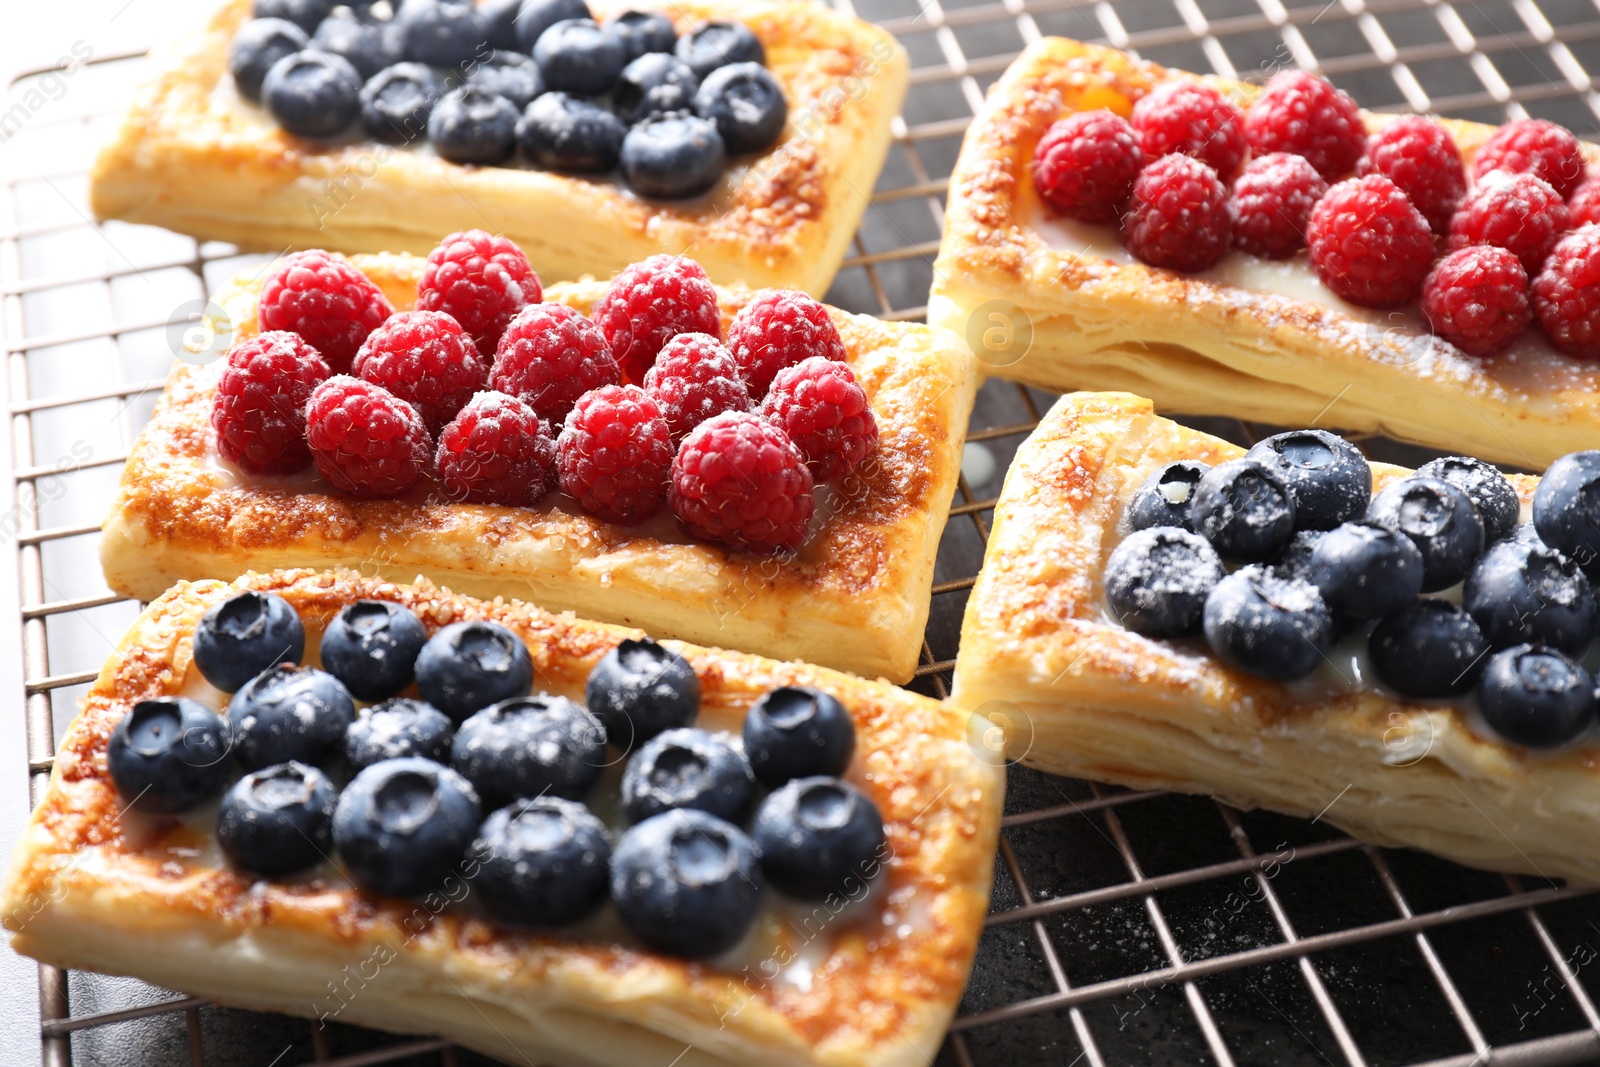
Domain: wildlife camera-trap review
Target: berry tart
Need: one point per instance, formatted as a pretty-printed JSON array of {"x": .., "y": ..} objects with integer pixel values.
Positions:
[
  {"x": 1273, "y": 253},
  {"x": 744, "y": 469},
  {"x": 1407, "y": 653},
  {"x": 744, "y": 134},
  {"x": 550, "y": 840}
]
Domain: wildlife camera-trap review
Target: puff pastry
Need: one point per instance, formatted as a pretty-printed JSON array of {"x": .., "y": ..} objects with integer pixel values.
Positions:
[
  {"x": 876, "y": 984},
  {"x": 1250, "y": 338},
  {"x": 1090, "y": 699},
  {"x": 193, "y": 157},
  {"x": 854, "y": 598}
]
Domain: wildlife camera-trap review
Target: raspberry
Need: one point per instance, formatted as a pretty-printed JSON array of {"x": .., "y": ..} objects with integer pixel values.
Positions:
[
  {"x": 741, "y": 482},
  {"x": 694, "y": 378},
  {"x": 1370, "y": 244},
  {"x": 551, "y": 355},
  {"x": 825, "y": 413},
  {"x": 259, "y": 411},
  {"x": 778, "y": 329},
  {"x": 1477, "y": 299},
  {"x": 326, "y": 301},
  {"x": 1513, "y": 211},
  {"x": 1305, "y": 115},
  {"x": 426, "y": 359},
  {"x": 1272, "y": 202},
  {"x": 481, "y": 281},
  {"x": 1084, "y": 165},
  {"x": 496, "y": 451},
  {"x": 1584, "y": 207},
  {"x": 1419, "y": 155},
  {"x": 365, "y": 440},
  {"x": 615, "y": 453},
  {"x": 1178, "y": 215},
  {"x": 1192, "y": 118},
  {"x": 1533, "y": 146},
  {"x": 1566, "y": 294},
  {"x": 649, "y": 303}
]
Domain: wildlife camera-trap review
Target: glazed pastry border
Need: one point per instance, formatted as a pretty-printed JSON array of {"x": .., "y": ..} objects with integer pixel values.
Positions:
[
  {"x": 855, "y": 597},
  {"x": 185, "y": 159},
  {"x": 1090, "y": 699},
  {"x": 1204, "y": 347},
  {"x": 79, "y": 895}
]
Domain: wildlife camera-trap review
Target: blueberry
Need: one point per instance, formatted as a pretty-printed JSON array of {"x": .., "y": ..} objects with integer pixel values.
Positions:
[
  {"x": 1429, "y": 648},
  {"x": 545, "y": 862},
  {"x": 673, "y": 156},
  {"x": 1327, "y": 476},
  {"x": 244, "y": 635},
  {"x": 500, "y": 23},
  {"x": 577, "y": 56},
  {"x": 1364, "y": 570},
  {"x": 654, "y": 84},
  {"x": 797, "y": 732},
  {"x": 687, "y": 769},
  {"x": 528, "y": 747},
  {"x": 686, "y": 883},
  {"x": 1163, "y": 498},
  {"x": 396, "y": 102},
  {"x": 397, "y": 728},
  {"x": 717, "y": 44},
  {"x": 402, "y": 826},
  {"x": 443, "y": 33},
  {"x": 1439, "y": 519},
  {"x": 819, "y": 837},
  {"x": 470, "y": 665},
  {"x": 1566, "y": 508},
  {"x": 511, "y": 75},
  {"x": 1157, "y": 581},
  {"x": 1490, "y": 491},
  {"x": 169, "y": 754},
  {"x": 289, "y": 713},
  {"x": 1533, "y": 695},
  {"x": 643, "y": 32},
  {"x": 471, "y": 125},
  {"x": 313, "y": 94},
  {"x": 564, "y": 133},
  {"x": 371, "y": 646},
  {"x": 256, "y": 47},
  {"x": 1295, "y": 559},
  {"x": 747, "y": 105},
  {"x": 278, "y": 821},
  {"x": 536, "y": 16},
  {"x": 1244, "y": 509},
  {"x": 306, "y": 14},
  {"x": 639, "y": 689},
  {"x": 368, "y": 45},
  {"x": 1523, "y": 590},
  {"x": 1273, "y": 627}
]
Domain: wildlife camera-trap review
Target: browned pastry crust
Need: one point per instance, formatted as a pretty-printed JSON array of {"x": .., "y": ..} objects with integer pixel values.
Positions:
[
  {"x": 855, "y": 597},
  {"x": 1088, "y": 698},
  {"x": 191, "y": 156},
  {"x": 88, "y": 888},
  {"x": 1201, "y": 344}
]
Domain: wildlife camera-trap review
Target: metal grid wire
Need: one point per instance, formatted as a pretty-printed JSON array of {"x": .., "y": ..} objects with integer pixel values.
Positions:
[{"x": 1126, "y": 927}]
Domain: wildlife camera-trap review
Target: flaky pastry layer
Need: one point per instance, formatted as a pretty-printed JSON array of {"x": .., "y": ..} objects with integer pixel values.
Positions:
[
  {"x": 1087, "y": 698},
  {"x": 855, "y": 597},
  {"x": 1203, "y": 345},
  {"x": 193, "y": 157},
  {"x": 89, "y": 888}
]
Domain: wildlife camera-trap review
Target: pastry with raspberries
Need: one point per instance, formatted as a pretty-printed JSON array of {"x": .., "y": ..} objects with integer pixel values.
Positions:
[{"x": 1275, "y": 253}]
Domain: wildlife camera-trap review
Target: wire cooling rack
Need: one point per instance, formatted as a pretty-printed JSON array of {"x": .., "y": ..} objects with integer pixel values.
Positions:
[{"x": 1127, "y": 927}]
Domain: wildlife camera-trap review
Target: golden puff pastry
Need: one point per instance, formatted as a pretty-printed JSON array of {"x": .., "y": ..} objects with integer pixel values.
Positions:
[
  {"x": 1086, "y": 697},
  {"x": 855, "y": 597},
  {"x": 193, "y": 156},
  {"x": 873, "y": 981},
  {"x": 1060, "y": 304}
]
